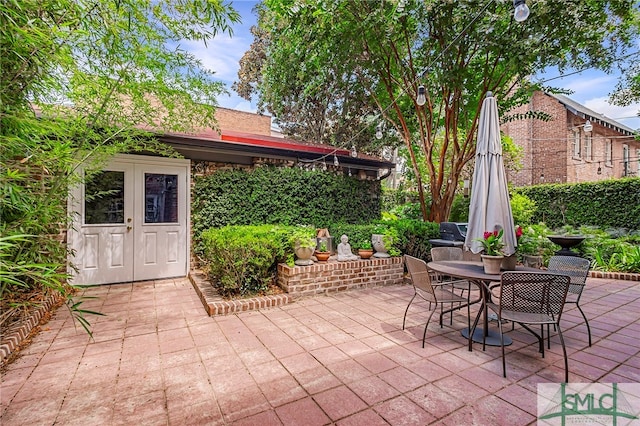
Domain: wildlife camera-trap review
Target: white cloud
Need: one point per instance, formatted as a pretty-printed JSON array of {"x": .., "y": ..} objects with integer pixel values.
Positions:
[
  {"x": 221, "y": 55},
  {"x": 626, "y": 115}
]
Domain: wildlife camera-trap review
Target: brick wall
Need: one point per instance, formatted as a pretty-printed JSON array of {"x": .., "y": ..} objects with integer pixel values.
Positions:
[
  {"x": 520, "y": 131},
  {"x": 240, "y": 121},
  {"x": 548, "y": 151},
  {"x": 544, "y": 144},
  {"x": 333, "y": 276}
]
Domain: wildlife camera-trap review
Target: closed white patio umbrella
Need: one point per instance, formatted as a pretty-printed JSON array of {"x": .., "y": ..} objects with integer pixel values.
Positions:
[{"x": 489, "y": 208}]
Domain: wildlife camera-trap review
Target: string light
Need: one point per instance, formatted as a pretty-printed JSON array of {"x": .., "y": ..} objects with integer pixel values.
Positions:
[
  {"x": 521, "y": 10},
  {"x": 354, "y": 153},
  {"x": 379, "y": 132},
  {"x": 422, "y": 98},
  {"x": 335, "y": 160}
]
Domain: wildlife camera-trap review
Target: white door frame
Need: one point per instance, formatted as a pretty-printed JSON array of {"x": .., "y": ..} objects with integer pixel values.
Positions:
[{"x": 99, "y": 266}]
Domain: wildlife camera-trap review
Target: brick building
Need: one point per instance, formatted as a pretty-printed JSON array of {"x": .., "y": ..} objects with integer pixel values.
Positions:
[
  {"x": 576, "y": 145},
  {"x": 141, "y": 230}
]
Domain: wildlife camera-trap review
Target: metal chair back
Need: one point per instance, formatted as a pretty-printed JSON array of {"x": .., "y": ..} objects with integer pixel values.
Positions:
[
  {"x": 533, "y": 293},
  {"x": 446, "y": 253},
  {"x": 577, "y": 268},
  {"x": 420, "y": 277}
]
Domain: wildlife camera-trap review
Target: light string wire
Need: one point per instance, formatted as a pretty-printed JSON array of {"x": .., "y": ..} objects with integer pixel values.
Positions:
[
  {"x": 622, "y": 58},
  {"x": 421, "y": 74},
  {"x": 629, "y": 170}
]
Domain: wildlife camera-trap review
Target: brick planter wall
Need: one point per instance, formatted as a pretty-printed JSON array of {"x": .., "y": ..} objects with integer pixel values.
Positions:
[
  {"x": 332, "y": 276},
  {"x": 15, "y": 334}
]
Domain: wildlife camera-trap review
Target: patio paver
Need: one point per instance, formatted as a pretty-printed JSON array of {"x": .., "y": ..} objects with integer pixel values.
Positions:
[{"x": 157, "y": 358}]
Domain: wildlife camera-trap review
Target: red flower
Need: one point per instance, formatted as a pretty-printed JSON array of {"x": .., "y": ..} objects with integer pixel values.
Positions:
[
  {"x": 518, "y": 232},
  {"x": 487, "y": 234}
]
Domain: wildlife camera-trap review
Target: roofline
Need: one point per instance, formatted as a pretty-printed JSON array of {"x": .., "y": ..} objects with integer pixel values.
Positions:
[
  {"x": 237, "y": 143},
  {"x": 588, "y": 114}
]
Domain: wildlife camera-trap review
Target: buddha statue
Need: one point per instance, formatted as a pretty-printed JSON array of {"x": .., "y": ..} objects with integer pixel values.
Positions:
[{"x": 344, "y": 250}]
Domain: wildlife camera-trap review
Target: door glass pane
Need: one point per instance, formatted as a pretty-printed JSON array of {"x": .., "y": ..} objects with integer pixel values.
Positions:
[
  {"x": 161, "y": 198},
  {"x": 104, "y": 198}
]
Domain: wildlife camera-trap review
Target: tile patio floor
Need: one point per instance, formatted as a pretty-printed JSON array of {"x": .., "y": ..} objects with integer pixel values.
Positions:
[{"x": 158, "y": 359}]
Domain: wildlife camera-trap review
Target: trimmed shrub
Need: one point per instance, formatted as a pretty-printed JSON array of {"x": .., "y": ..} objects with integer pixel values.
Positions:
[
  {"x": 586, "y": 203},
  {"x": 414, "y": 236},
  {"x": 523, "y": 208},
  {"x": 241, "y": 260}
]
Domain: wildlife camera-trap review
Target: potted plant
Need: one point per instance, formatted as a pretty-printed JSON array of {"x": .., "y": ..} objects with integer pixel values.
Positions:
[
  {"x": 365, "y": 250},
  {"x": 322, "y": 252},
  {"x": 382, "y": 241},
  {"x": 303, "y": 242},
  {"x": 534, "y": 245},
  {"x": 492, "y": 256}
]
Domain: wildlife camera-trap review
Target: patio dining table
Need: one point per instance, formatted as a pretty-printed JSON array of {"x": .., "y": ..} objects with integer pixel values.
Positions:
[{"x": 474, "y": 272}]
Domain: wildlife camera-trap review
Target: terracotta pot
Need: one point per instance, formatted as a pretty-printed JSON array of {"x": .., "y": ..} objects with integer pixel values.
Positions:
[
  {"x": 365, "y": 253},
  {"x": 322, "y": 256},
  {"x": 491, "y": 264}
]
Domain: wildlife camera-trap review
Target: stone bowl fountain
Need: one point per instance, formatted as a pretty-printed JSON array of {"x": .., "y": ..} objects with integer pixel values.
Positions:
[{"x": 566, "y": 242}]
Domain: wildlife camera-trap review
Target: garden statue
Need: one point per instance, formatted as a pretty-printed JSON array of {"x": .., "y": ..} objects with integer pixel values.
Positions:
[{"x": 344, "y": 250}]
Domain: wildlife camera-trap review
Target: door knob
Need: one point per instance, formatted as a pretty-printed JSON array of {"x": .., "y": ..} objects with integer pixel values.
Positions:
[{"x": 129, "y": 228}]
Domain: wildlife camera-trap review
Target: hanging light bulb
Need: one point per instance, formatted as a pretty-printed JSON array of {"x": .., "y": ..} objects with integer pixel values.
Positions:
[
  {"x": 422, "y": 97},
  {"x": 521, "y": 12},
  {"x": 354, "y": 153},
  {"x": 335, "y": 161},
  {"x": 588, "y": 127},
  {"x": 349, "y": 171},
  {"x": 379, "y": 132}
]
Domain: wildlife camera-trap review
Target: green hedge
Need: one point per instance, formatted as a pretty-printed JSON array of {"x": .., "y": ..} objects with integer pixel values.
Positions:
[
  {"x": 282, "y": 195},
  {"x": 243, "y": 259},
  {"x": 610, "y": 203}
]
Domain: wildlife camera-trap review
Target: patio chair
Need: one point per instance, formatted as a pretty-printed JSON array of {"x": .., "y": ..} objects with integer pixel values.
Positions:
[
  {"x": 577, "y": 268},
  {"x": 449, "y": 253},
  {"x": 422, "y": 286},
  {"x": 531, "y": 298}
]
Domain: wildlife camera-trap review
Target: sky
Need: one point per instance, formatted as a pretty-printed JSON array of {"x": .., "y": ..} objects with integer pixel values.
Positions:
[{"x": 590, "y": 88}]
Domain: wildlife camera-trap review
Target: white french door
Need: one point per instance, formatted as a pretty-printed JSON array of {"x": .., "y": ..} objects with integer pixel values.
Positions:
[{"x": 131, "y": 221}]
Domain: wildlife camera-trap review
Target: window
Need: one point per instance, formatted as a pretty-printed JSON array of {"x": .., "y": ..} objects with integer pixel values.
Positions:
[
  {"x": 625, "y": 160},
  {"x": 588, "y": 150},
  {"x": 608, "y": 153},
  {"x": 104, "y": 198},
  {"x": 576, "y": 144},
  {"x": 161, "y": 198}
]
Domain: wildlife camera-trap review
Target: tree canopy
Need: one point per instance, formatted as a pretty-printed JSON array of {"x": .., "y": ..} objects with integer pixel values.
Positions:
[{"x": 340, "y": 67}]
